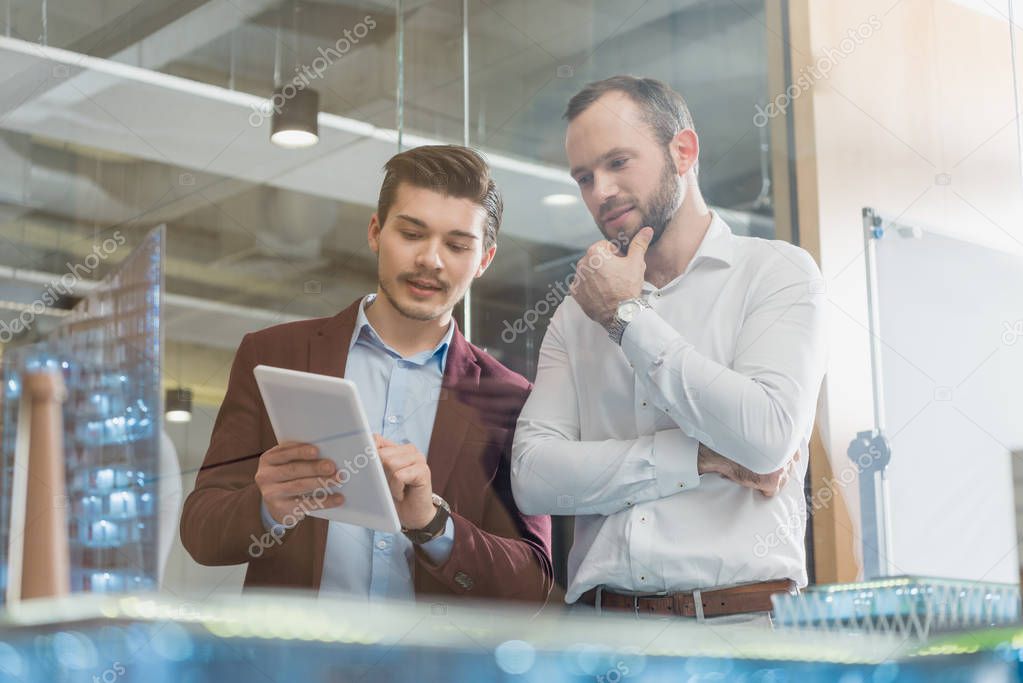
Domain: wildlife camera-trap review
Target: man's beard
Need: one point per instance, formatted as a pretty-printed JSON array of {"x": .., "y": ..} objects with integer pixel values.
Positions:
[
  {"x": 662, "y": 207},
  {"x": 402, "y": 310}
]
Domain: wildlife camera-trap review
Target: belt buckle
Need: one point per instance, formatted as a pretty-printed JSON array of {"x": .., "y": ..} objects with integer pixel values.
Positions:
[
  {"x": 637, "y": 596},
  {"x": 599, "y": 591}
]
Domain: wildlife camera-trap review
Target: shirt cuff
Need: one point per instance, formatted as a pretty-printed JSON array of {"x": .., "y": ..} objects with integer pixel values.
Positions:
[
  {"x": 269, "y": 523},
  {"x": 647, "y": 337},
  {"x": 675, "y": 464},
  {"x": 438, "y": 550}
]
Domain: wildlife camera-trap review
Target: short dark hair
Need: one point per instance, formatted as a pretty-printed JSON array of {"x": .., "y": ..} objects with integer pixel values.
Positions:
[
  {"x": 453, "y": 170},
  {"x": 662, "y": 108}
]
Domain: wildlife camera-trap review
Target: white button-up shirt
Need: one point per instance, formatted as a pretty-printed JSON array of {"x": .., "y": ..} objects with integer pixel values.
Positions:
[{"x": 732, "y": 354}]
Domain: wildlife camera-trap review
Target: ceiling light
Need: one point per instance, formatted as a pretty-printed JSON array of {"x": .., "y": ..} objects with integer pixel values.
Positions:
[
  {"x": 294, "y": 121},
  {"x": 560, "y": 200},
  {"x": 178, "y": 405}
]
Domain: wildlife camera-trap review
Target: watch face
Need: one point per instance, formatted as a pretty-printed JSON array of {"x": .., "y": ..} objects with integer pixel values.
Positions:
[{"x": 627, "y": 310}]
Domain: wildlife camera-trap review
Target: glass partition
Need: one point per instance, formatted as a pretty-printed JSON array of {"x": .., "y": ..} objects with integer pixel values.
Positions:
[
  {"x": 127, "y": 115},
  {"x": 528, "y": 59},
  {"x": 132, "y": 115}
]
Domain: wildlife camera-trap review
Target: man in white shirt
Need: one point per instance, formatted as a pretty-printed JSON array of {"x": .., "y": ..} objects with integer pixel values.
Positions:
[{"x": 714, "y": 362}]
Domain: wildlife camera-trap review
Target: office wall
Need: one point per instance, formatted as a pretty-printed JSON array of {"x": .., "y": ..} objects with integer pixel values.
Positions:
[{"x": 915, "y": 117}]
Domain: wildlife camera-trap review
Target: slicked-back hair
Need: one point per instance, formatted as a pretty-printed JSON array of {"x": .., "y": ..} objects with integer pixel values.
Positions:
[{"x": 452, "y": 170}]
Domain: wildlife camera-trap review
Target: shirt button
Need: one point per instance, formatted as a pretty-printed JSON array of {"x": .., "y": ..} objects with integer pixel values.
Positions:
[
  {"x": 643, "y": 519},
  {"x": 628, "y": 503},
  {"x": 464, "y": 580},
  {"x": 644, "y": 404},
  {"x": 658, "y": 361},
  {"x": 392, "y": 419},
  {"x": 382, "y": 544},
  {"x": 681, "y": 484}
]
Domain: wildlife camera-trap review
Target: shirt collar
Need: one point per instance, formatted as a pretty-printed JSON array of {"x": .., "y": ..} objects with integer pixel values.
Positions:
[
  {"x": 717, "y": 245},
  {"x": 365, "y": 333}
]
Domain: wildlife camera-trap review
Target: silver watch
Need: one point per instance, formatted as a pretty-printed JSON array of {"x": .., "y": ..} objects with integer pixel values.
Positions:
[{"x": 627, "y": 310}]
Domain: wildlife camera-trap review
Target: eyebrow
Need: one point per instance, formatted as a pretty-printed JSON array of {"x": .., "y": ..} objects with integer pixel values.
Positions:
[
  {"x": 422, "y": 224},
  {"x": 604, "y": 157}
]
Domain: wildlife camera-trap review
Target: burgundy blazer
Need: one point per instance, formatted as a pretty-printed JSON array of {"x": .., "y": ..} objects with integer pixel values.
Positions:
[{"x": 498, "y": 551}]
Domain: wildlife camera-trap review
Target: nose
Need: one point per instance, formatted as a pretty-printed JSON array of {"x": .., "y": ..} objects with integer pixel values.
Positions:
[
  {"x": 428, "y": 256},
  {"x": 604, "y": 186}
]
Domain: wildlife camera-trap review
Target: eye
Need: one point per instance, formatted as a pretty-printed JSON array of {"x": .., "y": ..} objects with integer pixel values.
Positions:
[
  {"x": 583, "y": 180},
  {"x": 458, "y": 247},
  {"x": 409, "y": 235},
  {"x": 618, "y": 163}
]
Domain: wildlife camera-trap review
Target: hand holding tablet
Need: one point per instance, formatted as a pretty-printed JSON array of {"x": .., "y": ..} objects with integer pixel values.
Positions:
[
  {"x": 320, "y": 425},
  {"x": 291, "y": 472}
]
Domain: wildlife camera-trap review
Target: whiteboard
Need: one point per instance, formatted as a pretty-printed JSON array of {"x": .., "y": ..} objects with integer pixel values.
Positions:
[{"x": 951, "y": 327}]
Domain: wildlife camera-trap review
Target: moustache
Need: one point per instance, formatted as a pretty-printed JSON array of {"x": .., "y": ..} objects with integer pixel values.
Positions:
[{"x": 611, "y": 207}]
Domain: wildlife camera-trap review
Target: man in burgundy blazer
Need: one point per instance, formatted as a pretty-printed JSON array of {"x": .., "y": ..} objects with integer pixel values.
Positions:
[{"x": 497, "y": 553}]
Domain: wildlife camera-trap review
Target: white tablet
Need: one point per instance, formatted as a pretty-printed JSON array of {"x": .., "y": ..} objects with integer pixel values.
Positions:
[{"x": 326, "y": 412}]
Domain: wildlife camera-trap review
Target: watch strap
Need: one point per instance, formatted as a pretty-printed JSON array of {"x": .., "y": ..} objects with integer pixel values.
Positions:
[
  {"x": 616, "y": 330},
  {"x": 435, "y": 527}
]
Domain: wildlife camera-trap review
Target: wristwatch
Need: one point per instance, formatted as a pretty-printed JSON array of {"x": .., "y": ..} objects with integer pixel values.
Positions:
[
  {"x": 436, "y": 526},
  {"x": 627, "y": 310}
]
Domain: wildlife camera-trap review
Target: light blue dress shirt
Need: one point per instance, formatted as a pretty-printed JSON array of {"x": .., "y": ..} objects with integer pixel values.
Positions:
[{"x": 400, "y": 397}]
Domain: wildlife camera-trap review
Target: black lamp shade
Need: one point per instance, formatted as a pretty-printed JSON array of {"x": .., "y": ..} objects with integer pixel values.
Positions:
[
  {"x": 294, "y": 120},
  {"x": 178, "y": 405}
]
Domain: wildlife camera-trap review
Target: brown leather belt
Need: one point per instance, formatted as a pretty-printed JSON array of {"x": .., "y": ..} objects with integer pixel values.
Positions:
[{"x": 754, "y": 597}]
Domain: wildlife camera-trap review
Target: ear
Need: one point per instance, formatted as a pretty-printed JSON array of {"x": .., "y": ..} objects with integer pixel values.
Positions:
[
  {"x": 685, "y": 150},
  {"x": 485, "y": 261},
  {"x": 373, "y": 234}
]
